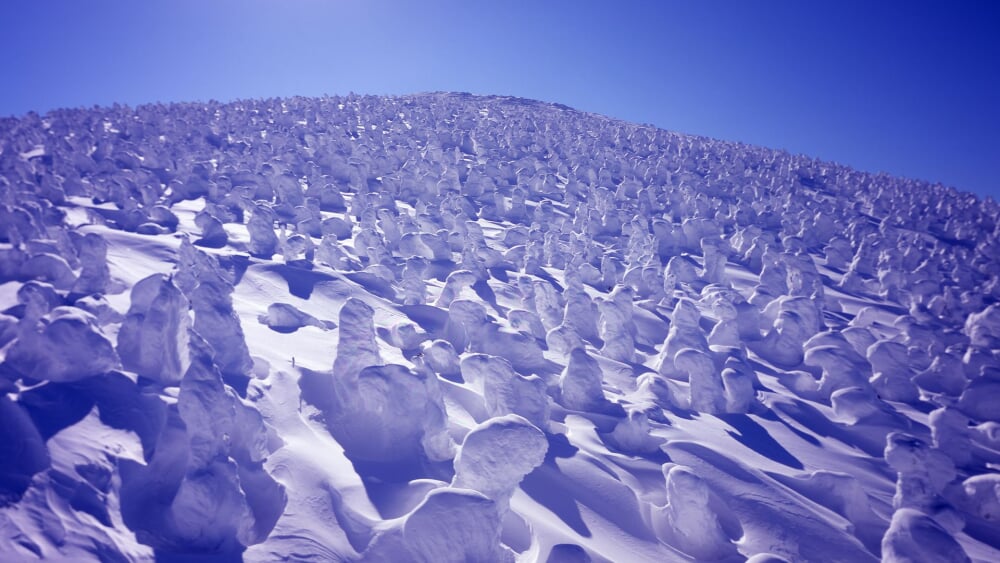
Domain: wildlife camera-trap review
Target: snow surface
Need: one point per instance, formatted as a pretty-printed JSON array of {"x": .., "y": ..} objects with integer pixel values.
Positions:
[{"x": 446, "y": 327}]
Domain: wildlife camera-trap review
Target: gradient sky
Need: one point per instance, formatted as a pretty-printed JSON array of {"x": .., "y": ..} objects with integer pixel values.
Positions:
[{"x": 907, "y": 87}]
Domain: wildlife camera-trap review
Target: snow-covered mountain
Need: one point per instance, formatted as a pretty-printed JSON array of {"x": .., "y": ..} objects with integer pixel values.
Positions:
[{"x": 446, "y": 327}]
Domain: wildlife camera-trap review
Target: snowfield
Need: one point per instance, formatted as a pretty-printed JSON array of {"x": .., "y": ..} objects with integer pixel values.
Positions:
[{"x": 452, "y": 328}]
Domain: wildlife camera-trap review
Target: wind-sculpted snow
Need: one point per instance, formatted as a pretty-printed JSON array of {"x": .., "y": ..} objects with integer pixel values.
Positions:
[
  {"x": 152, "y": 340},
  {"x": 445, "y": 327},
  {"x": 68, "y": 347}
]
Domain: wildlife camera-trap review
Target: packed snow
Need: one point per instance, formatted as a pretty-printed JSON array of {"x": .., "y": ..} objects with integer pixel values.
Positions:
[{"x": 446, "y": 327}]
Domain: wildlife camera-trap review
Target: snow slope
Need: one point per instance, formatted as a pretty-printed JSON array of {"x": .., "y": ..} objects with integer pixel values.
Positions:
[{"x": 445, "y": 327}]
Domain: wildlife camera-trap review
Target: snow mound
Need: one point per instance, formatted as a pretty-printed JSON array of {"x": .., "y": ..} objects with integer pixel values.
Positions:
[
  {"x": 496, "y": 455},
  {"x": 69, "y": 347},
  {"x": 152, "y": 340}
]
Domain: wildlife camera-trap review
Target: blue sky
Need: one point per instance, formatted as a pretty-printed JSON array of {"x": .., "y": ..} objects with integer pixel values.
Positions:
[{"x": 907, "y": 87}]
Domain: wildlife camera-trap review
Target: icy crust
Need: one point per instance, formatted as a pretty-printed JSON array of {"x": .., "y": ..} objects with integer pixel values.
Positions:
[{"x": 456, "y": 328}]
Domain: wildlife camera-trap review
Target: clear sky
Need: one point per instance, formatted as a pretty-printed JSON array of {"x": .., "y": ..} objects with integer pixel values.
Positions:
[{"x": 909, "y": 87}]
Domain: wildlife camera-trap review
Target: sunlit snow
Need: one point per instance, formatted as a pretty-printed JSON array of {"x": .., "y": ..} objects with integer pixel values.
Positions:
[{"x": 446, "y": 327}]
